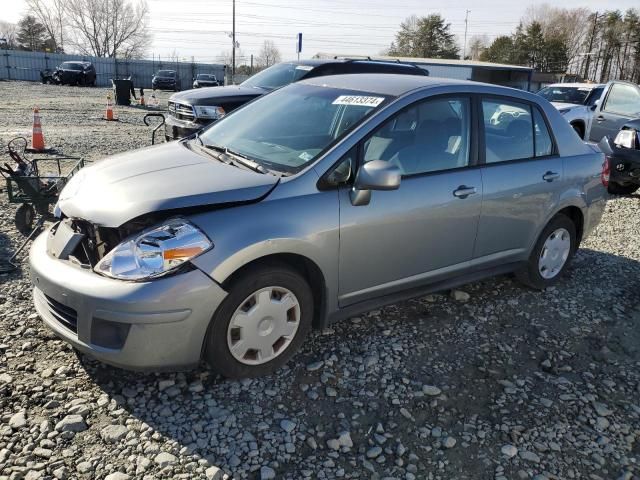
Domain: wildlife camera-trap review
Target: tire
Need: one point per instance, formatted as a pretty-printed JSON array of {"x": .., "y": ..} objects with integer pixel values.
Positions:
[
  {"x": 24, "y": 218},
  {"x": 534, "y": 274},
  {"x": 243, "y": 297},
  {"x": 617, "y": 189},
  {"x": 579, "y": 129}
]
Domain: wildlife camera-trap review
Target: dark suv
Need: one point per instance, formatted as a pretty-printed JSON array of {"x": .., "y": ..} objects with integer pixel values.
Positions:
[
  {"x": 191, "y": 110},
  {"x": 166, "y": 80},
  {"x": 71, "y": 73}
]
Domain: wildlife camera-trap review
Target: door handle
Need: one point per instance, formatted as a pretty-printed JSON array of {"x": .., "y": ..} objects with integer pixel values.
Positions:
[
  {"x": 463, "y": 191},
  {"x": 600, "y": 118},
  {"x": 550, "y": 176}
]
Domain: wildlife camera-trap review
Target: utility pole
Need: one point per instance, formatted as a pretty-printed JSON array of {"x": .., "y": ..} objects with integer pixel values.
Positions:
[
  {"x": 251, "y": 71},
  {"x": 593, "y": 34},
  {"x": 233, "y": 48},
  {"x": 466, "y": 24}
]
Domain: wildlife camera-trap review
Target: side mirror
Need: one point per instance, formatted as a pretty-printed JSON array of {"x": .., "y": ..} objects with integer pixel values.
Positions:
[
  {"x": 595, "y": 105},
  {"x": 378, "y": 175},
  {"x": 374, "y": 175}
]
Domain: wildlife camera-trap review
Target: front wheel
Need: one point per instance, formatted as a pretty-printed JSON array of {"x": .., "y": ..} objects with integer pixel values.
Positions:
[
  {"x": 261, "y": 323},
  {"x": 617, "y": 189},
  {"x": 551, "y": 255}
]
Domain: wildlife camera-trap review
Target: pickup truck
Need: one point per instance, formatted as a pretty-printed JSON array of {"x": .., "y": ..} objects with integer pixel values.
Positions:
[{"x": 595, "y": 110}]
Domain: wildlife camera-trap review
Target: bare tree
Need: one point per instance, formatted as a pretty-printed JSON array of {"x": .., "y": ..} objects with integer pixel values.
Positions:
[
  {"x": 268, "y": 54},
  {"x": 106, "y": 28},
  {"x": 477, "y": 45},
  {"x": 8, "y": 34},
  {"x": 51, "y": 14}
]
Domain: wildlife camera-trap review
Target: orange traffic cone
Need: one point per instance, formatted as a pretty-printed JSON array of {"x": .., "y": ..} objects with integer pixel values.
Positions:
[
  {"x": 142, "y": 100},
  {"x": 37, "y": 139},
  {"x": 109, "y": 113}
]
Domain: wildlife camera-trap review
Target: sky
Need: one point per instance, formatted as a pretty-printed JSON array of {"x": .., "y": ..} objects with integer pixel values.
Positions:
[{"x": 201, "y": 28}]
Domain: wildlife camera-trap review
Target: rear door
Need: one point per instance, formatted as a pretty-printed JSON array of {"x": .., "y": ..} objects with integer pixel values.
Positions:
[
  {"x": 621, "y": 104},
  {"x": 520, "y": 175}
]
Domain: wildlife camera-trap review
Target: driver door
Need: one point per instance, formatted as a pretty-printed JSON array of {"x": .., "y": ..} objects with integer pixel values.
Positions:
[{"x": 425, "y": 230}]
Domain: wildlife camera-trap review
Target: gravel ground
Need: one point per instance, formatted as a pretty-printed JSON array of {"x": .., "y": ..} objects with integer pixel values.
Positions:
[{"x": 493, "y": 382}]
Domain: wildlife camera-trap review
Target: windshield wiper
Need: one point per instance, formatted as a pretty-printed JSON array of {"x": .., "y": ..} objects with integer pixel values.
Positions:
[{"x": 237, "y": 158}]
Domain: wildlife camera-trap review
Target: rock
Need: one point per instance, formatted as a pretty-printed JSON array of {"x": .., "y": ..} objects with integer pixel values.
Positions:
[
  {"x": 18, "y": 420},
  {"x": 42, "y": 452},
  {"x": 71, "y": 423},
  {"x": 267, "y": 473},
  {"x": 287, "y": 425},
  {"x": 164, "y": 384},
  {"x": 431, "y": 390},
  {"x": 312, "y": 367},
  {"x": 213, "y": 473},
  {"x": 602, "y": 424},
  {"x": 460, "y": 296},
  {"x": 84, "y": 467},
  {"x": 61, "y": 473},
  {"x": 374, "y": 452},
  {"x": 509, "y": 451},
  {"x": 5, "y": 378},
  {"x": 449, "y": 442},
  {"x": 601, "y": 409},
  {"x": 344, "y": 438},
  {"x": 333, "y": 444},
  {"x": 117, "y": 476},
  {"x": 529, "y": 456},
  {"x": 164, "y": 459},
  {"x": 113, "y": 433}
]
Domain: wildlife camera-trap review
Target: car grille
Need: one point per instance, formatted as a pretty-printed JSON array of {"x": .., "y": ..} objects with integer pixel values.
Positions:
[
  {"x": 67, "y": 316},
  {"x": 181, "y": 111}
]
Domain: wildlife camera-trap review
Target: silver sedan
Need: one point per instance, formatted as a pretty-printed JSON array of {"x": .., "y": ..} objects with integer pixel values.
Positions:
[{"x": 323, "y": 199}]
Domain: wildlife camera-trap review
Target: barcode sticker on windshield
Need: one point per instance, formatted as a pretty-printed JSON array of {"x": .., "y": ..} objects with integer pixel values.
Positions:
[{"x": 358, "y": 100}]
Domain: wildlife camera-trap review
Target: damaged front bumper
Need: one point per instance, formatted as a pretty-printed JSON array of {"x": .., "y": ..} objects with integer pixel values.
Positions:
[{"x": 159, "y": 324}]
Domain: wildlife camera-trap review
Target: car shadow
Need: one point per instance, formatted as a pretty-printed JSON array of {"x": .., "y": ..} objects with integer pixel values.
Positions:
[{"x": 232, "y": 422}]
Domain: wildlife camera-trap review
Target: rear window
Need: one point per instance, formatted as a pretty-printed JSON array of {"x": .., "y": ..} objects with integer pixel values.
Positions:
[{"x": 166, "y": 73}]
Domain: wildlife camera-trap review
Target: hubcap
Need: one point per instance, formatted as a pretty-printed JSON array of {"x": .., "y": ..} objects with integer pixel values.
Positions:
[
  {"x": 554, "y": 254},
  {"x": 263, "y": 326}
]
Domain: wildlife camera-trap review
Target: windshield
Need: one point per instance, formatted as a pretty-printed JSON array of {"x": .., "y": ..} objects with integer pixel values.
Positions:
[
  {"x": 71, "y": 66},
  {"x": 576, "y": 95},
  {"x": 166, "y": 73},
  {"x": 288, "y": 129},
  {"x": 277, "y": 76},
  {"x": 205, "y": 77}
]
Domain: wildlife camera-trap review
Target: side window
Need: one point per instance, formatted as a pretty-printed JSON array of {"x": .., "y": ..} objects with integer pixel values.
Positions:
[
  {"x": 429, "y": 136},
  {"x": 508, "y": 131},
  {"x": 595, "y": 95},
  {"x": 543, "y": 143},
  {"x": 623, "y": 99}
]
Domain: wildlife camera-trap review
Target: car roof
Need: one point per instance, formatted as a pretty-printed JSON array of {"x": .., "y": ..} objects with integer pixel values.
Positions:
[
  {"x": 392, "y": 84},
  {"x": 315, "y": 62},
  {"x": 577, "y": 85}
]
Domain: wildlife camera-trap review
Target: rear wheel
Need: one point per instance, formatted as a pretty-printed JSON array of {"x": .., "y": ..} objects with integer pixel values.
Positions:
[
  {"x": 551, "y": 255},
  {"x": 261, "y": 323},
  {"x": 618, "y": 189}
]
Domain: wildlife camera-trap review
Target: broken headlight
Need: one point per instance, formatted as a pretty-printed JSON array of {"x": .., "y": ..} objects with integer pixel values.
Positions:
[{"x": 154, "y": 252}]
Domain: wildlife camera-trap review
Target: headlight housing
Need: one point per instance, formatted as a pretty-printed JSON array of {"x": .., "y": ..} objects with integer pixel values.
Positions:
[
  {"x": 154, "y": 252},
  {"x": 209, "y": 112}
]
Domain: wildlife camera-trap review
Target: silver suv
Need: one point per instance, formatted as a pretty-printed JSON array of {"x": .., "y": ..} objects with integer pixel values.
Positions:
[{"x": 325, "y": 198}]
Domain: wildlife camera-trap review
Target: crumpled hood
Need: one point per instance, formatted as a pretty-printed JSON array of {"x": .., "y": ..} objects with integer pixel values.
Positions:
[
  {"x": 217, "y": 95},
  {"x": 164, "y": 177}
]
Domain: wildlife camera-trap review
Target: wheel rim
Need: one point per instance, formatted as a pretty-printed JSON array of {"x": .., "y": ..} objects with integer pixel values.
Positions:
[
  {"x": 554, "y": 253},
  {"x": 263, "y": 326}
]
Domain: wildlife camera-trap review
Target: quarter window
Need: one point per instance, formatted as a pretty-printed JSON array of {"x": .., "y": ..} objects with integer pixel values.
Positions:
[
  {"x": 623, "y": 100},
  {"x": 508, "y": 131},
  {"x": 543, "y": 143},
  {"x": 430, "y": 136}
]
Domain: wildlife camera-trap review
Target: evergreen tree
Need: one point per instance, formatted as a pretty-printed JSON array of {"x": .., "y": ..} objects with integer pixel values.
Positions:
[
  {"x": 31, "y": 34},
  {"x": 425, "y": 37}
]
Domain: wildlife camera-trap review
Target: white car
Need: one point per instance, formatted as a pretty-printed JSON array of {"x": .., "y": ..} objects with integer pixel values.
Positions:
[{"x": 575, "y": 101}]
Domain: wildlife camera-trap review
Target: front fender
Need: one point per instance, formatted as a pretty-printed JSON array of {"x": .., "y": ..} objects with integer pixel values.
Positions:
[{"x": 304, "y": 225}]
